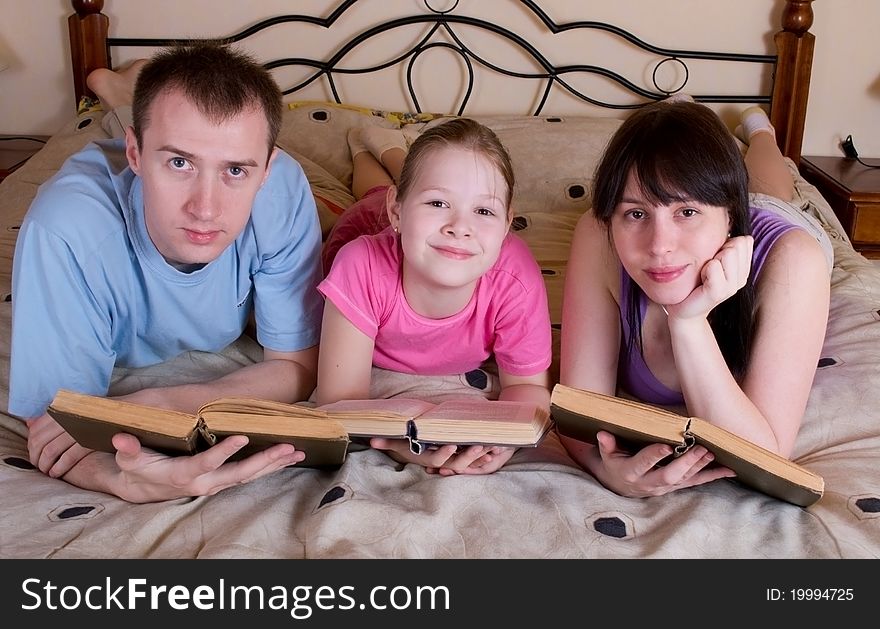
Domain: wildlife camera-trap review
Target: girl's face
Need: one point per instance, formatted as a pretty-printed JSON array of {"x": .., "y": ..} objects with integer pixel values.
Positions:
[
  {"x": 452, "y": 224},
  {"x": 664, "y": 247}
]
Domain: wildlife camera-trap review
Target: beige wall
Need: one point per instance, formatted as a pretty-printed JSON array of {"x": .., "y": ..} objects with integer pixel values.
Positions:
[{"x": 35, "y": 92}]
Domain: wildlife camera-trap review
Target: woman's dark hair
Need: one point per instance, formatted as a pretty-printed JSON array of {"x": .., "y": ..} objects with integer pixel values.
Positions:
[
  {"x": 682, "y": 151},
  {"x": 220, "y": 81}
]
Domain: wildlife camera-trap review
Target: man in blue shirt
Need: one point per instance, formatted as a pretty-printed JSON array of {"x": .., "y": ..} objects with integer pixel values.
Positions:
[{"x": 140, "y": 249}]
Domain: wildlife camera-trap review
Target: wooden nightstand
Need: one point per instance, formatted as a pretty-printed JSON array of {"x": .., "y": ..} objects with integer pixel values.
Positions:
[
  {"x": 853, "y": 191},
  {"x": 15, "y": 152}
]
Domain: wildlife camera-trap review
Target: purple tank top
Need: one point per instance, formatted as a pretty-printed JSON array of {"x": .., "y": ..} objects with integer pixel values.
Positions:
[{"x": 633, "y": 374}]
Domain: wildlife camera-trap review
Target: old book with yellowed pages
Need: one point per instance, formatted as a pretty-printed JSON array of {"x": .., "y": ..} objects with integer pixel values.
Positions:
[
  {"x": 93, "y": 420},
  {"x": 581, "y": 414},
  {"x": 463, "y": 421},
  {"x": 323, "y": 433}
]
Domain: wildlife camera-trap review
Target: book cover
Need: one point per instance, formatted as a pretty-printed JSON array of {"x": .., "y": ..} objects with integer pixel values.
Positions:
[
  {"x": 502, "y": 423},
  {"x": 323, "y": 433},
  {"x": 93, "y": 421},
  {"x": 581, "y": 414}
]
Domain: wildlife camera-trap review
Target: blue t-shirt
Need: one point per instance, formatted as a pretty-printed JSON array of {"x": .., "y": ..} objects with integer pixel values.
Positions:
[{"x": 90, "y": 291}]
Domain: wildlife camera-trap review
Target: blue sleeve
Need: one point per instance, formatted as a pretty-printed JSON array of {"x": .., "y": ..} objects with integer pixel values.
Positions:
[
  {"x": 60, "y": 335},
  {"x": 287, "y": 305}
]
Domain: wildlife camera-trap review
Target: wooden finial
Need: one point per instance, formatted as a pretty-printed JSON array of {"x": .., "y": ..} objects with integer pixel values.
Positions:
[
  {"x": 87, "y": 7},
  {"x": 797, "y": 17}
]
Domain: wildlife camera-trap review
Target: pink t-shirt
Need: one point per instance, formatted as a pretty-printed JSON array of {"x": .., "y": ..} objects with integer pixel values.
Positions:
[{"x": 507, "y": 316}]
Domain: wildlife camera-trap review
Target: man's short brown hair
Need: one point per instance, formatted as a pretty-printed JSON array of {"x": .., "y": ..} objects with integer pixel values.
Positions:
[{"x": 219, "y": 80}]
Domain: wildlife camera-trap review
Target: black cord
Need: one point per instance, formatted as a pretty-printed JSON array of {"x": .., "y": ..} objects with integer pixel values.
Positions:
[
  {"x": 9, "y": 138},
  {"x": 849, "y": 149},
  {"x": 859, "y": 160}
]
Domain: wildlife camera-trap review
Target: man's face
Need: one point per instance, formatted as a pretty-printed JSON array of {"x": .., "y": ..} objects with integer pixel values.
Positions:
[{"x": 199, "y": 177}]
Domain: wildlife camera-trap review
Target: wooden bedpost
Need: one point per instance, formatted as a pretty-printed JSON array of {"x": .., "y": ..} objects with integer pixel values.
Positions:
[
  {"x": 88, "y": 42},
  {"x": 791, "y": 82}
]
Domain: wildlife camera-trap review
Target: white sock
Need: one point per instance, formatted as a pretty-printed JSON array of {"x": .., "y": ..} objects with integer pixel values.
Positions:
[
  {"x": 754, "y": 120},
  {"x": 355, "y": 142},
  {"x": 379, "y": 139},
  {"x": 678, "y": 97}
]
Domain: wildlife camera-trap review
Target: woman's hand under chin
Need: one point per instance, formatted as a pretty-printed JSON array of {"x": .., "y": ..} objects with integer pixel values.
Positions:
[{"x": 721, "y": 277}]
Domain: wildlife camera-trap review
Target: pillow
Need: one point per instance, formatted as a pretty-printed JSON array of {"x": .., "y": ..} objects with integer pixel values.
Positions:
[
  {"x": 553, "y": 157},
  {"x": 21, "y": 186},
  {"x": 315, "y": 133},
  {"x": 332, "y": 197}
]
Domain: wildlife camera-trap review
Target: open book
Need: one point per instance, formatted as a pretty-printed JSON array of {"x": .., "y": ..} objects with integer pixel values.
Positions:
[
  {"x": 93, "y": 421},
  {"x": 581, "y": 414},
  {"x": 473, "y": 421},
  {"x": 323, "y": 433}
]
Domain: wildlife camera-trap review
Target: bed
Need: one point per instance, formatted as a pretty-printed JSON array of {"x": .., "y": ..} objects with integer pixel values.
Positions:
[{"x": 540, "y": 505}]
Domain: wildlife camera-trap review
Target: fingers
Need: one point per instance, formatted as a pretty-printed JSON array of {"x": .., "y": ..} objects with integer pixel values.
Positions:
[
  {"x": 631, "y": 469},
  {"x": 435, "y": 457},
  {"x": 720, "y": 278},
  {"x": 149, "y": 476},
  {"x": 126, "y": 445},
  {"x": 447, "y": 460},
  {"x": 217, "y": 455},
  {"x": 458, "y": 463},
  {"x": 477, "y": 460},
  {"x": 643, "y": 461},
  {"x": 43, "y": 449},
  {"x": 52, "y": 451},
  {"x": 489, "y": 456},
  {"x": 381, "y": 443},
  {"x": 497, "y": 457},
  {"x": 731, "y": 266},
  {"x": 272, "y": 458},
  {"x": 710, "y": 474},
  {"x": 256, "y": 465},
  {"x": 607, "y": 444},
  {"x": 130, "y": 456},
  {"x": 689, "y": 470},
  {"x": 71, "y": 456},
  {"x": 430, "y": 458},
  {"x": 685, "y": 467},
  {"x": 51, "y": 448},
  {"x": 640, "y": 475}
]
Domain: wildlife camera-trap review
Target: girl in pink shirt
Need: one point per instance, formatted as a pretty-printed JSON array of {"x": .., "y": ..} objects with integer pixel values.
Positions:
[{"x": 442, "y": 288}]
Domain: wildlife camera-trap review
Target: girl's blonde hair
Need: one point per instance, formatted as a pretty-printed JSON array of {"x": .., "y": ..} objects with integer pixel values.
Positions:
[{"x": 462, "y": 133}]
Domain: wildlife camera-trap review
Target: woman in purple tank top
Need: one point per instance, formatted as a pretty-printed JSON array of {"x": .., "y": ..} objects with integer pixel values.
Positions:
[{"x": 680, "y": 293}]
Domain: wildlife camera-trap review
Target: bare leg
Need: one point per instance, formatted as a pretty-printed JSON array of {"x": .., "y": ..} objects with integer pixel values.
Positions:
[
  {"x": 115, "y": 88},
  {"x": 768, "y": 172},
  {"x": 389, "y": 146},
  {"x": 367, "y": 171},
  {"x": 376, "y": 158},
  {"x": 367, "y": 174},
  {"x": 392, "y": 159}
]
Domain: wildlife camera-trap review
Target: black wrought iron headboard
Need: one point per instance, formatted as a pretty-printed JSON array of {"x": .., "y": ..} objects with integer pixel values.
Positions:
[{"x": 792, "y": 58}]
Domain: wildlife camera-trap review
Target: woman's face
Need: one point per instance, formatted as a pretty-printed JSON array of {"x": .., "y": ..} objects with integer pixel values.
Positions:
[{"x": 664, "y": 247}]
